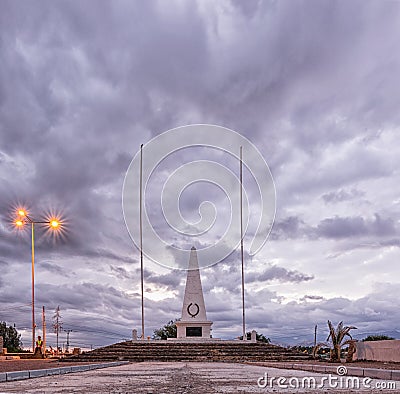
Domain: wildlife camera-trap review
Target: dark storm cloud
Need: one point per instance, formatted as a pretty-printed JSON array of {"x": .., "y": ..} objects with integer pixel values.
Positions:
[
  {"x": 311, "y": 297},
  {"x": 281, "y": 274},
  {"x": 371, "y": 244},
  {"x": 227, "y": 277},
  {"x": 170, "y": 280},
  {"x": 342, "y": 195},
  {"x": 390, "y": 242},
  {"x": 348, "y": 227},
  {"x": 82, "y": 84},
  {"x": 121, "y": 272},
  {"x": 301, "y": 46},
  {"x": 248, "y": 8},
  {"x": 288, "y": 228},
  {"x": 83, "y": 296},
  {"x": 54, "y": 269},
  {"x": 338, "y": 228},
  {"x": 111, "y": 255},
  {"x": 76, "y": 92}
]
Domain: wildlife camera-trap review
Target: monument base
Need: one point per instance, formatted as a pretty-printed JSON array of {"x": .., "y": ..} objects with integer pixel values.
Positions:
[
  {"x": 193, "y": 329},
  {"x": 195, "y": 340}
]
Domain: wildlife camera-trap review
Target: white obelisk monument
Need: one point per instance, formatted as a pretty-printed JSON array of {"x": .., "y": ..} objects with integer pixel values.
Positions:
[{"x": 193, "y": 323}]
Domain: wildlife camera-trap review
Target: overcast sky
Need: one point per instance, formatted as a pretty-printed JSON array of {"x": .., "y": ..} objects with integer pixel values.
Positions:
[{"x": 314, "y": 85}]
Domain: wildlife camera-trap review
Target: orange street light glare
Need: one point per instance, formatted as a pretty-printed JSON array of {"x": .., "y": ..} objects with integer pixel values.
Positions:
[
  {"x": 19, "y": 223},
  {"x": 54, "y": 223},
  {"x": 21, "y": 212}
]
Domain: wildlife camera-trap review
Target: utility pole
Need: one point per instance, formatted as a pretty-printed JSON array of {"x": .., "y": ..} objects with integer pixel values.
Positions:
[
  {"x": 67, "y": 347},
  {"x": 57, "y": 324},
  {"x": 315, "y": 336},
  {"x": 44, "y": 330}
]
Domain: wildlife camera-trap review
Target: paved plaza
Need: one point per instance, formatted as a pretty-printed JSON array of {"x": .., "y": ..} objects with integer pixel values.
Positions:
[{"x": 179, "y": 378}]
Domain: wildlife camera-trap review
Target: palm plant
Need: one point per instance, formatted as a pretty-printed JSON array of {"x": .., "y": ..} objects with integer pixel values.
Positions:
[{"x": 337, "y": 339}]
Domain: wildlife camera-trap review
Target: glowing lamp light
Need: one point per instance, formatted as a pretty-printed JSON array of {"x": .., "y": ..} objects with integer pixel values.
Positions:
[
  {"x": 54, "y": 223},
  {"x": 21, "y": 212},
  {"x": 19, "y": 223}
]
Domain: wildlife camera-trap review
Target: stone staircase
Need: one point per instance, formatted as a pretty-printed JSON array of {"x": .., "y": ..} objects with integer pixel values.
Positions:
[{"x": 228, "y": 351}]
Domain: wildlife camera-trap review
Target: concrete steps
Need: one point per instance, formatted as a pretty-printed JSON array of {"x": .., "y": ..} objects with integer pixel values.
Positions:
[{"x": 229, "y": 351}]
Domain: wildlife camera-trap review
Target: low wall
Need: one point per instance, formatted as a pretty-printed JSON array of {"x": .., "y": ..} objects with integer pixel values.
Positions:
[{"x": 378, "y": 350}]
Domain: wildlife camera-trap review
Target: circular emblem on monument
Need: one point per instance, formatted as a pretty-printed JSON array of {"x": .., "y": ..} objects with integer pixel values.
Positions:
[{"x": 196, "y": 307}]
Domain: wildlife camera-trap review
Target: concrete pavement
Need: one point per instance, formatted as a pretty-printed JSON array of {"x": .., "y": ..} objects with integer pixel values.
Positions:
[{"x": 181, "y": 377}]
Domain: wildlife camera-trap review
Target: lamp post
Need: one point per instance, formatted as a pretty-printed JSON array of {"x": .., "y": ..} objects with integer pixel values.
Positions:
[{"x": 54, "y": 224}]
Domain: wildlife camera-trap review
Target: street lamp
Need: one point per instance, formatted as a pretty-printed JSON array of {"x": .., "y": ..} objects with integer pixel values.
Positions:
[{"x": 54, "y": 224}]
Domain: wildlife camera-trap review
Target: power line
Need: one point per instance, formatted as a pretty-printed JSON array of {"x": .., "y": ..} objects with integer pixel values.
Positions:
[
  {"x": 99, "y": 331},
  {"x": 20, "y": 306}
]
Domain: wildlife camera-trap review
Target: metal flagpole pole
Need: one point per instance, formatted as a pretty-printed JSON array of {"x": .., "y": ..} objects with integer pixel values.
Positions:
[
  {"x": 141, "y": 236},
  {"x": 241, "y": 241},
  {"x": 33, "y": 287}
]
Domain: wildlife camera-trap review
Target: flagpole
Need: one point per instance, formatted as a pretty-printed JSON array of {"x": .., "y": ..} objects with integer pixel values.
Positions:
[
  {"x": 141, "y": 236},
  {"x": 241, "y": 241}
]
